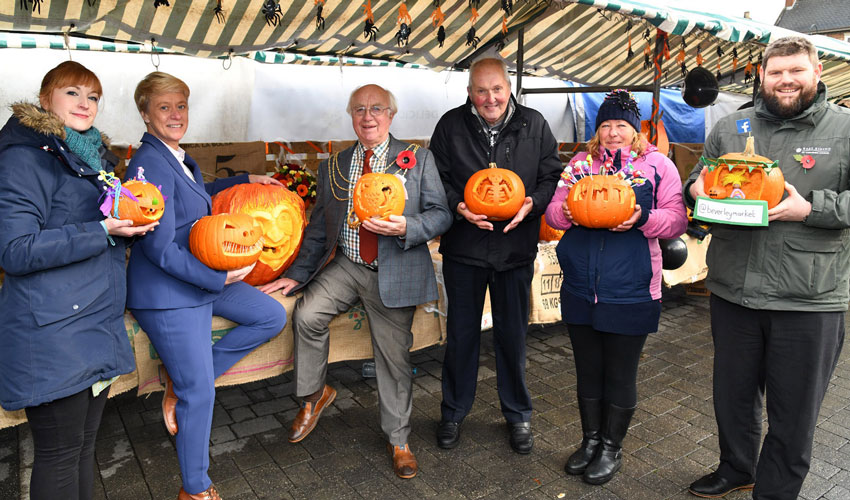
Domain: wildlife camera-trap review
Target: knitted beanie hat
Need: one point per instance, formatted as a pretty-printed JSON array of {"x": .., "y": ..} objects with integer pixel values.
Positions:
[{"x": 619, "y": 104}]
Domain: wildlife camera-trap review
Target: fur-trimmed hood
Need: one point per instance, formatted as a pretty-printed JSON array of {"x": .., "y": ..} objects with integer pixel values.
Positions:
[{"x": 43, "y": 122}]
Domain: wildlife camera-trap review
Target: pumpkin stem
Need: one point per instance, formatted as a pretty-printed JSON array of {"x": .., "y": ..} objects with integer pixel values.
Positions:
[
  {"x": 492, "y": 165},
  {"x": 750, "y": 150}
]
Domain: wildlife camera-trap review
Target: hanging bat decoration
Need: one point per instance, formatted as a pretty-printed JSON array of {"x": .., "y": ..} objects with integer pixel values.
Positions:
[
  {"x": 218, "y": 12},
  {"x": 320, "y": 20},
  {"x": 156, "y": 3}
]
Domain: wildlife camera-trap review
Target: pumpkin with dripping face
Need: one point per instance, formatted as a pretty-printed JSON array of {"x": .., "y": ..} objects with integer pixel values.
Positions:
[
  {"x": 226, "y": 241},
  {"x": 146, "y": 208},
  {"x": 279, "y": 212},
  {"x": 378, "y": 195},
  {"x": 601, "y": 201},
  {"x": 745, "y": 175},
  {"x": 495, "y": 192},
  {"x": 547, "y": 232}
]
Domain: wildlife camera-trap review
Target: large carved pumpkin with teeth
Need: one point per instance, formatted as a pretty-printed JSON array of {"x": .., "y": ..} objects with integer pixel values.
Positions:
[
  {"x": 226, "y": 241},
  {"x": 495, "y": 192},
  {"x": 279, "y": 212},
  {"x": 146, "y": 208},
  {"x": 378, "y": 195}
]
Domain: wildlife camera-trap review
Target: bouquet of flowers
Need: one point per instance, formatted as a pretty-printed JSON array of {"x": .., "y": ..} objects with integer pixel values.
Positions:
[{"x": 299, "y": 180}]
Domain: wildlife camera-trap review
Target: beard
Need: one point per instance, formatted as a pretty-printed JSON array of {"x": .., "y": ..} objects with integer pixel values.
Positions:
[{"x": 807, "y": 96}]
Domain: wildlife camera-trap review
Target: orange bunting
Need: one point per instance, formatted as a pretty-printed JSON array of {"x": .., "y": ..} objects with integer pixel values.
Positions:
[
  {"x": 367, "y": 10},
  {"x": 403, "y": 14},
  {"x": 437, "y": 17}
]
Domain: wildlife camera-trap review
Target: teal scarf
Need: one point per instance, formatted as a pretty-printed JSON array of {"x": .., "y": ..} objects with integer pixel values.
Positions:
[{"x": 86, "y": 145}]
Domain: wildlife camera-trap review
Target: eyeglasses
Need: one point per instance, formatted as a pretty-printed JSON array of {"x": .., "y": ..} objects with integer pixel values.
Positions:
[{"x": 373, "y": 110}]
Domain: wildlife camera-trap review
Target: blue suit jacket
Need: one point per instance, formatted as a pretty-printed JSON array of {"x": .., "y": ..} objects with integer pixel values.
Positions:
[
  {"x": 163, "y": 273},
  {"x": 405, "y": 271}
]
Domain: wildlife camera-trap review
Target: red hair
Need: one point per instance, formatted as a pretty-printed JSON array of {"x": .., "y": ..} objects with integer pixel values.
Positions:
[{"x": 66, "y": 74}]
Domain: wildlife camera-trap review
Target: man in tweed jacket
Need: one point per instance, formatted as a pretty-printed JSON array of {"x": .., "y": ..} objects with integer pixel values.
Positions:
[{"x": 335, "y": 273}]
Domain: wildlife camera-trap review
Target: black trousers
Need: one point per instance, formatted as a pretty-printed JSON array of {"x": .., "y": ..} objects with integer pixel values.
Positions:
[
  {"x": 63, "y": 434},
  {"x": 509, "y": 298},
  {"x": 788, "y": 355},
  {"x": 606, "y": 364}
]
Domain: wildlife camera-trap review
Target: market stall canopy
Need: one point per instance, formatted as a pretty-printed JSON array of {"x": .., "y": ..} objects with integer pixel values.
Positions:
[{"x": 586, "y": 41}]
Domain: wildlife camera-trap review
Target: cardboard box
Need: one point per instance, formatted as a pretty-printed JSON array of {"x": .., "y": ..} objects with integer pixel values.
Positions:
[
  {"x": 686, "y": 156},
  {"x": 227, "y": 160}
]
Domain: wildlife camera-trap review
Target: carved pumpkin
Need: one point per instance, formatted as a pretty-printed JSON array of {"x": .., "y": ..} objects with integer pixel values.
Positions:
[
  {"x": 495, "y": 192},
  {"x": 279, "y": 212},
  {"x": 601, "y": 201},
  {"x": 745, "y": 175},
  {"x": 378, "y": 195},
  {"x": 148, "y": 206},
  {"x": 549, "y": 233},
  {"x": 226, "y": 241}
]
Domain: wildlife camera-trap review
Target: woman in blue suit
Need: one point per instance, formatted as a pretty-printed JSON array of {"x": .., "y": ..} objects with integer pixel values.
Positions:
[{"x": 173, "y": 295}]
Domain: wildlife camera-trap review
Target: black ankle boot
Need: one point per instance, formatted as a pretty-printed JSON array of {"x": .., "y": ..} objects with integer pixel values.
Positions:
[
  {"x": 590, "y": 411},
  {"x": 609, "y": 458}
]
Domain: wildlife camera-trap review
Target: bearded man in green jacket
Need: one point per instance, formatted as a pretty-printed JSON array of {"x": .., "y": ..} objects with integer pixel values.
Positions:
[{"x": 779, "y": 293}]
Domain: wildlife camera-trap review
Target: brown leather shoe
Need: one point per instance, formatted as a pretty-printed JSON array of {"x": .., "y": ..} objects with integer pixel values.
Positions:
[
  {"x": 169, "y": 404},
  {"x": 208, "y": 494},
  {"x": 307, "y": 418},
  {"x": 404, "y": 463}
]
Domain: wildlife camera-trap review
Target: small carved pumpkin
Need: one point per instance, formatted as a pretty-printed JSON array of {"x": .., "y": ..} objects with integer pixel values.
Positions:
[
  {"x": 279, "y": 212},
  {"x": 495, "y": 192},
  {"x": 601, "y": 201},
  {"x": 148, "y": 206},
  {"x": 746, "y": 175},
  {"x": 226, "y": 241},
  {"x": 378, "y": 195},
  {"x": 549, "y": 233},
  {"x": 717, "y": 192}
]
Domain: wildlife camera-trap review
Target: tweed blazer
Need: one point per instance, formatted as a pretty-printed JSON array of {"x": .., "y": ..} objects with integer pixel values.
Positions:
[{"x": 405, "y": 271}]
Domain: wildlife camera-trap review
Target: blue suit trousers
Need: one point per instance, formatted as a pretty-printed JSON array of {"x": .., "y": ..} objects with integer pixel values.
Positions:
[{"x": 182, "y": 339}]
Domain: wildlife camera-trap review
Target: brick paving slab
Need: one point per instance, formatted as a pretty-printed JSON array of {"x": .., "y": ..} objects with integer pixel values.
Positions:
[{"x": 672, "y": 440}]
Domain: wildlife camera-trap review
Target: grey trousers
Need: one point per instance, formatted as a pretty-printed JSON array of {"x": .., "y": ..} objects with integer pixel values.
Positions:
[{"x": 337, "y": 288}]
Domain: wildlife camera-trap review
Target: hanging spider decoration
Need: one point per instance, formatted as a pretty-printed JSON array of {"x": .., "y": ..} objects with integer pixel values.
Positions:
[
  {"x": 271, "y": 11},
  {"x": 156, "y": 3},
  {"x": 501, "y": 42},
  {"x": 719, "y": 51},
  {"x": 218, "y": 12},
  {"x": 437, "y": 17},
  {"x": 370, "y": 31},
  {"x": 36, "y": 4},
  {"x": 508, "y": 6},
  {"x": 320, "y": 21},
  {"x": 441, "y": 35},
  {"x": 471, "y": 39},
  {"x": 402, "y": 34}
]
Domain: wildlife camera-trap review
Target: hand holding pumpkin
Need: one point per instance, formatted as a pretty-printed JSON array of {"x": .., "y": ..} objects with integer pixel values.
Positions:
[
  {"x": 698, "y": 186},
  {"x": 479, "y": 220},
  {"x": 628, "y": 223},
  {"x": 526, "y": 207},
  {"x": 238, "y": 274},
  {"x": 263, "y": 179},
  {"x": 125, "y": 228},
  {"x": 793, "y": 208},
  {"x": 395, "y": 226}
]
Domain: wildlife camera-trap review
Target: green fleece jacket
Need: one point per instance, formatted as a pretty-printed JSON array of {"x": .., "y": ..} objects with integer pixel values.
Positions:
[{"x": 791, "y": 266}]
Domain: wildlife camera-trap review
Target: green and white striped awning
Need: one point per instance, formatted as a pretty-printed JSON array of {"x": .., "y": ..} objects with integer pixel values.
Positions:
[{"x": 586, "y": 41}]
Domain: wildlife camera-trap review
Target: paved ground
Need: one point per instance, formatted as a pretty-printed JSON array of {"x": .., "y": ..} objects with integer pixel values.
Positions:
[{"x": 672, "y": 440}]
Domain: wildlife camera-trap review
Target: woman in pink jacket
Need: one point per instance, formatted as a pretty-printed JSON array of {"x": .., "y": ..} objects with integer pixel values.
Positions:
[{"x": 611, "y": 291}]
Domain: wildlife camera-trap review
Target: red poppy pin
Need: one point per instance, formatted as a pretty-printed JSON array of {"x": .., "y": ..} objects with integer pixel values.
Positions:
[
  {"x": 806, "y": 160},
  {"x": 406, "y": 159}
]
